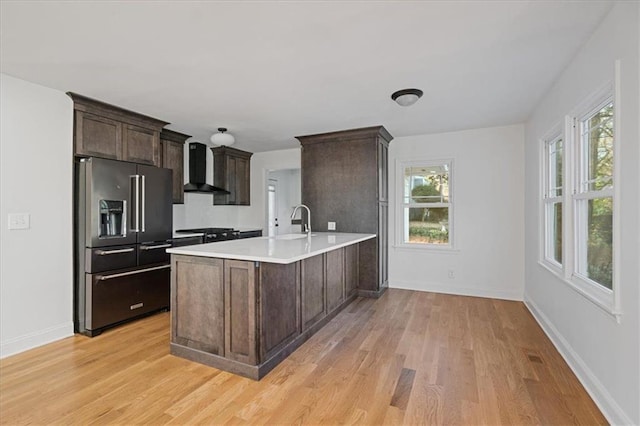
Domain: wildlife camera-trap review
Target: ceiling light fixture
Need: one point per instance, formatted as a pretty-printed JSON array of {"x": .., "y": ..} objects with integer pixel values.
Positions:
[
  {"x": 407, "y": 97},
  {"x": 222, "y": 138}
]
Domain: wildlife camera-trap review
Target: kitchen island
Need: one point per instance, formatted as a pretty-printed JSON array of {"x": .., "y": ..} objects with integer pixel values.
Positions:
[{"x": 244, "y": 305}]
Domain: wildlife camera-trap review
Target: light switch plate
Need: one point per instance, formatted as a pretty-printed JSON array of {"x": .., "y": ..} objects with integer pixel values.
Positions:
[
  {"x": 19, "y": 220},
  {"x": 331, "y": 226}
]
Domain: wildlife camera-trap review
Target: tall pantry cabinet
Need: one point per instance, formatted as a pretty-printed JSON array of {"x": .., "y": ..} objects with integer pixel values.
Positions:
[{"x": 345, "y": 180}]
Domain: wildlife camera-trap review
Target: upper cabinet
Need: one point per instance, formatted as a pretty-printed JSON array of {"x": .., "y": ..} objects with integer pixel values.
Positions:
[
  {"x": 172, "y": 154},
  {"x": 232, "y": 171},
  {"x": 106, "y": 131}
]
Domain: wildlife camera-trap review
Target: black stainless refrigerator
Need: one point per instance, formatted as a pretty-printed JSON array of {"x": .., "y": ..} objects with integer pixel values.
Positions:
[{"x": 123, "y": 227}]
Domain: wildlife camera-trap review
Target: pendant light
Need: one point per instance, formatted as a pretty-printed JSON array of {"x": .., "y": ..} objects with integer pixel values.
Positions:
[
  {"x": 407, "y": 97},
  {"x": 222, "y": 138}
]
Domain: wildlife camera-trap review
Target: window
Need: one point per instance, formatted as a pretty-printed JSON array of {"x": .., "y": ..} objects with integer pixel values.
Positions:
[
  {"x": 593, "y": 195},
  {"x": 578, "y": 201},
  {"x": 552, "y": 199},
  {"x": 426, "y": 203}
]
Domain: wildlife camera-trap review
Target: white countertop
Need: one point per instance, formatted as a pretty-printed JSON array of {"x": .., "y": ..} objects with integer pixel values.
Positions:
[{"x": 281, "y": 249}]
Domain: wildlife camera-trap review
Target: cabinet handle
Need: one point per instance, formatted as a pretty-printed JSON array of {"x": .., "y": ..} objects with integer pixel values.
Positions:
[
  {"x": 105, "y": 252},
  {"x": 139, "y": 271},
  {"x": 159, "y": 246}
]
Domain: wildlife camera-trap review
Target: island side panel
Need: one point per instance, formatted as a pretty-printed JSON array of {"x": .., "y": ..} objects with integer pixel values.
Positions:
[
  {"x": 279, "y": 306},
  {"x": 197, "y": 306},
  {"x": 240, "y": 311}
]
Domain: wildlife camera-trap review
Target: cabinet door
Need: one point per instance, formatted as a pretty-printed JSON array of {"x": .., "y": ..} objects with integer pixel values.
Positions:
[
  {"x": 279, "y": 306},
  {"x": 240, "y": 311},
  {"x": 351, "y": 269},
  {"x": 172, "y": 158},
  {"x": 198, "y": 303},
  {"x": 242, "y": 182},
  {"x": 141, "y": 145},
  {"x": 97, "y": 136},
  {"x": 313, "y": 291},
  {"x": 335, "y": 279},
  {"x": 383, "y": 171},
  {"x": 383, "y": 245}
]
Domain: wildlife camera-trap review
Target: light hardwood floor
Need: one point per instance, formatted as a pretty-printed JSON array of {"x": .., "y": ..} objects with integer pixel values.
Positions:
[{"x": 406, "y": 358}]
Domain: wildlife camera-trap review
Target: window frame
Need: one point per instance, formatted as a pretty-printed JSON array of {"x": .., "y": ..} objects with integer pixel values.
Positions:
[
  {"x": 547, "y": 201},
  {"x": 609, "y": 300},
  {"x": 401, "y": 166}
]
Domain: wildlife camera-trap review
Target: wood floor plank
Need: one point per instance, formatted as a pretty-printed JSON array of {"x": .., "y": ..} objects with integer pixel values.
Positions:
[{"x": 405, "y": 358}]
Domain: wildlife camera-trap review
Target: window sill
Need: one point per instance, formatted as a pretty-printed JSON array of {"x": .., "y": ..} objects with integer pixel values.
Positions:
[
  {"x": 602, "y": 300},
  {"x": 426, "y": 247}
]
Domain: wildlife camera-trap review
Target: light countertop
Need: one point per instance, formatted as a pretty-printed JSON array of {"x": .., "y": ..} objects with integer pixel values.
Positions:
[
  {"x": 282, "y": 249},
  {"x": 186, "y": 235}
]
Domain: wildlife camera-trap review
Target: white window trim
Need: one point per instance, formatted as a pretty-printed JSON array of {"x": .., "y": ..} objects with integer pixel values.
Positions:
[
  {"x": 556, "y": 132},
  {"x": 401, "y": 164},
  {"x": 608, "y": 300}
]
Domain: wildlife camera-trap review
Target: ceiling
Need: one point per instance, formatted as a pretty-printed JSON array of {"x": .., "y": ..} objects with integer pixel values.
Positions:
[{"x": 270, "y": 71}]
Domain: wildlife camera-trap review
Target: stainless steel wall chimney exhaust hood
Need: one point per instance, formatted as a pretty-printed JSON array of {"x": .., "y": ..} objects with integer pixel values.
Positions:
[{"x": 198, "y": 171}]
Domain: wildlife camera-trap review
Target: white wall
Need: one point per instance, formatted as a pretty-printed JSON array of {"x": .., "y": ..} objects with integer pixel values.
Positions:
[
  {"x": 36, "y": 266},
  {"x": 488, "y": 177},
  {"x": 604, "y": 354},
  {"x": 198, "y": 209}
]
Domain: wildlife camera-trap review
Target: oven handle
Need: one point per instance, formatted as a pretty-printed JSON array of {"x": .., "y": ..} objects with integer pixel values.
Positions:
[
  {"x": 139, "y": 271},
  {"x": 105, "y": 252},
  {"x": 159, "y": 246}
]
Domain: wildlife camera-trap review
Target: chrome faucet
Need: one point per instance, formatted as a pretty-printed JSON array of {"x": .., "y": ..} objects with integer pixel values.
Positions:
[{"x": 307, "y": 226}]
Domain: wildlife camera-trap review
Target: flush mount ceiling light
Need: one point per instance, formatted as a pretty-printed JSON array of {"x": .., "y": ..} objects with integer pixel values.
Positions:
[
  {"x": 222, "y": 138},
  {"x": 406, "y": 97}
]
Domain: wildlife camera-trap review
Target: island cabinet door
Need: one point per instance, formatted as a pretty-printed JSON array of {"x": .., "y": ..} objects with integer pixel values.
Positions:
[
  {"x": 313, "y": 283},
  {"x": 197, "y": 305},
  {"x": 335, "y": 279},
  {"x": 279, "y": 307},
  {"x": 240, "y": 311},
  {"x": 351, "y": 269}
]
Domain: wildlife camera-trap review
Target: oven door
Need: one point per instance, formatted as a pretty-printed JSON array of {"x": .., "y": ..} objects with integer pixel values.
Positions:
[{"x": 115, "y": 297}]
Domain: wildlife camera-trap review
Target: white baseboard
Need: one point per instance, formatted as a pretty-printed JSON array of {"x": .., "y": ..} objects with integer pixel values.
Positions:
[
  {"x": 455, "y": 289},
  {"x": 606, "y": 403},
  {"x": 33, "y": 340}
]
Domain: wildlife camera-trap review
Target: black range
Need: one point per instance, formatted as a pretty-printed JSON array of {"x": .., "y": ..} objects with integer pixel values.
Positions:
[{"x": 212, "y": 235}]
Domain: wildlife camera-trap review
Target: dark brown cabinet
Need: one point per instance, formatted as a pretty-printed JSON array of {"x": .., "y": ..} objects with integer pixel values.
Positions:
[
  {"x": 107, "y": 131},
  {"x": 314, "y": 300},
  {"x": 245, "y": 316},
  {"x": 172, "y": 157},
  {"x": 345, "y": 180},
  {"x": 232, "y": 171},
  {"x": 197, "y": 308},
  {"x": 240, "y": 311}
]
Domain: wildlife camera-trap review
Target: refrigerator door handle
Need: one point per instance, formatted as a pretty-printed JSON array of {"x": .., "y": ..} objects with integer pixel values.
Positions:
[
  {"x": 142, "y": 201},
  {"x": 139, "y": 271},
  {"x": 136, "y": 204}
]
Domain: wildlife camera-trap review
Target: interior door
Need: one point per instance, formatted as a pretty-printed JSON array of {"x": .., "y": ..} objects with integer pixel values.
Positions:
[
  {"x": 272, "y": 208},
  {"x": 156, "y": 208}
]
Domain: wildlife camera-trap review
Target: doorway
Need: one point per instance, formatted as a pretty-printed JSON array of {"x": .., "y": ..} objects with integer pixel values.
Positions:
[{"x": 283, "y": 194}]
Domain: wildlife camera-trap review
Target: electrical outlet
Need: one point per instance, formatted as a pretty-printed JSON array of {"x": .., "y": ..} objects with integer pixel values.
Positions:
[
  {"x": 19, "y": 220},
  {"x": 331, "y": 226},
  {"x": 451, "y": 274}
]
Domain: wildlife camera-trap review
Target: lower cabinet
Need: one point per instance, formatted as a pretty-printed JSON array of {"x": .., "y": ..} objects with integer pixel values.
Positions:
[
  {"x": 335, "y": 279},
  {"x": 240, "y": 311},
  {"x": 197, "y": 303},
  {"x": 245, "y": 316},
  {"x": 314, "y": 298}
]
